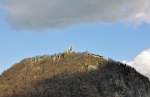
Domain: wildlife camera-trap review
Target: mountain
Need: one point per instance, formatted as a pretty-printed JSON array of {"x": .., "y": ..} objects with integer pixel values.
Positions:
[{"x": 72, "y": 74}]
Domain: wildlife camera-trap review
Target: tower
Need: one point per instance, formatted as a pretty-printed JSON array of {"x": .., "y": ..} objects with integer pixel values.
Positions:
[{"x": 70, "y": 49}]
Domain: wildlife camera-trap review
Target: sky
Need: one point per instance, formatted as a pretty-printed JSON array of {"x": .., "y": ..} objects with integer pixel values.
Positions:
[{"x": 117, "y": 29}]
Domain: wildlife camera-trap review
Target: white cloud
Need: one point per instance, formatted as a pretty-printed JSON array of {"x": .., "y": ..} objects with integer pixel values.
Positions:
[
  {"x": 33, "y": 14},
  {"x": 142, "y": 63}
]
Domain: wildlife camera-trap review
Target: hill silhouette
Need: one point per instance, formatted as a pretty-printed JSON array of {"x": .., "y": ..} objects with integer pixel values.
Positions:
[{"x": 72, "y": 74}]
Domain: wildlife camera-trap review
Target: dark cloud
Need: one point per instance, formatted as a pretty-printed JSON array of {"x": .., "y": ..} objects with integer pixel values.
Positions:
[{"x": 41, "y": 14}]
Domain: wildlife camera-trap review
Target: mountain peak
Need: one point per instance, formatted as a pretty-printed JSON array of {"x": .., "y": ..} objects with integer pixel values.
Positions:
[{"x": 81, "y": 74}]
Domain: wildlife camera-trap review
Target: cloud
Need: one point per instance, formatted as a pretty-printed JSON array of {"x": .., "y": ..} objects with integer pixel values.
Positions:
[
  {"x": 41, "y": 14},
  {"x": 142, "y": 63}
]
